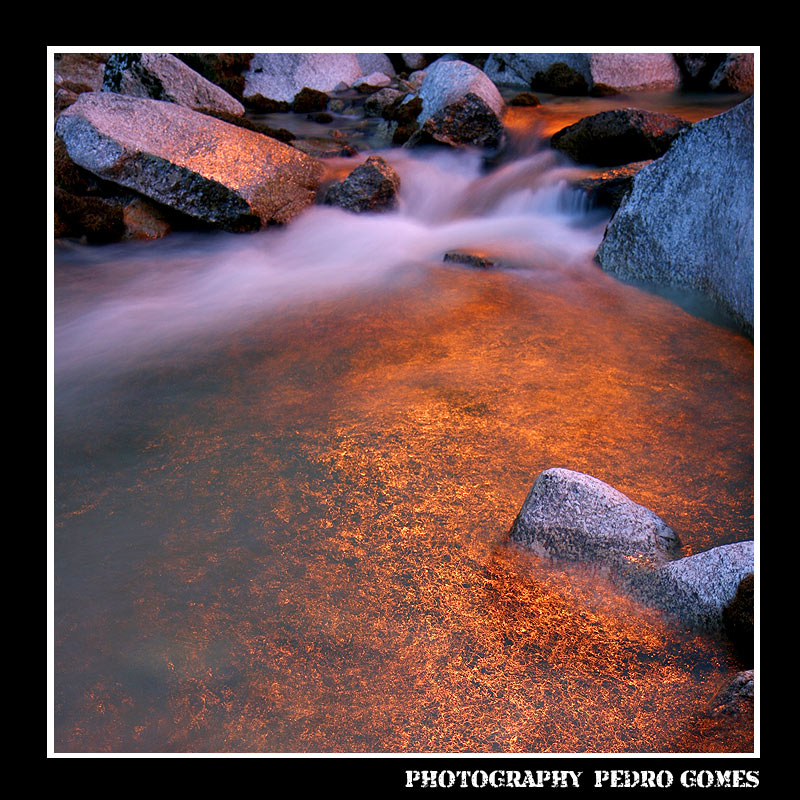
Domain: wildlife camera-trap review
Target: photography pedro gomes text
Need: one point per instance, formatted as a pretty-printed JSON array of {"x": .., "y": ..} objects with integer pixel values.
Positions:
[{"x": 570, "y": 779}]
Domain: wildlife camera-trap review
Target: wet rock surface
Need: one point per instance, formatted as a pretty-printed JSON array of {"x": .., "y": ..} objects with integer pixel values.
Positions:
[
  {"x": 688, "y": 220},
  {"x": 370, "y": 187},
  {"x": 620, "y": 136},
  {"x": 610, "y": 186},
  {"x": 217, "y": 173}
]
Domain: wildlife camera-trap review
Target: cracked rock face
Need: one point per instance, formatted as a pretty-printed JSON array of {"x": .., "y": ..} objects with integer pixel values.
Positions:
[
  {"x": 575, "y": 516},
  {"x": 220, "y": 174}
]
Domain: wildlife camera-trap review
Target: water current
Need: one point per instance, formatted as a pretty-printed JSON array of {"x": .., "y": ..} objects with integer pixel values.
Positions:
[{"x": 286, "y": 463}]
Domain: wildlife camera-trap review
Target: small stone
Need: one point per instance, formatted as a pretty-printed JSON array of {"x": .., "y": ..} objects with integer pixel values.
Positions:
[
  {"x": 524, "y": 99},
  {"x": 372, "y": 186},
  {"x": 470, "y": 259}
]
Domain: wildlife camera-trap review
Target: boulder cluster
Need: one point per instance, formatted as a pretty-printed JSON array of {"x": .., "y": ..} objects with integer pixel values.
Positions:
[
  {"x": 146, "y": 143},
  {"x": 453, "y": 100}
]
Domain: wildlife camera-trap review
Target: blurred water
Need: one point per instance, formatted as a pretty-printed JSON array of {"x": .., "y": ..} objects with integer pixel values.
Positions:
[{"x": 285, "y": 464}]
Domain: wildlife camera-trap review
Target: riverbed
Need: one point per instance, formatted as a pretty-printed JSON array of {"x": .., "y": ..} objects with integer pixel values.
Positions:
[{"x": 286, "y": 464}]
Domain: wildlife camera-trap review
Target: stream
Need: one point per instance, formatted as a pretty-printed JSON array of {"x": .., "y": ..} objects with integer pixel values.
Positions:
[{"x": 286, "y": 464}]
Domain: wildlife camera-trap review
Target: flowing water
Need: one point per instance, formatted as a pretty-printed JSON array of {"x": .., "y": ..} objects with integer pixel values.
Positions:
[{"x": 286, "y": 464}]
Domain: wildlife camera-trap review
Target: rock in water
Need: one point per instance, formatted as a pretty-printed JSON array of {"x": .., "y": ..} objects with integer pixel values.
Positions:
[
  {"x": 372, "y": 186},
  {"x": 735, "y": 696},
  {"x": 220, "y": 174},
  {"x": 620, "y": 136},
  {"x": 575, "y": 516},
  {"x": 697, "y": 589},
  {"x": 162, "y": 76},
  {"x": 688, "y": 220},
  {"x": 460, "y": 106}
]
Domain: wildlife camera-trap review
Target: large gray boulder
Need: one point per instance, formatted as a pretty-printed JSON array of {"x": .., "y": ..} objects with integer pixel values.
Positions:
[
  {"x": 697, "y": 589},
  {"x": 162, "y": 76},
  {"x": 583, "y": 73},
  {"x": 279, "y": 77},
  {"x": 460, "y": 105},
  {"x": 220, "y": 174},
  {"x": 575, "y": 516},
  {"x": 688, "y": 220}
]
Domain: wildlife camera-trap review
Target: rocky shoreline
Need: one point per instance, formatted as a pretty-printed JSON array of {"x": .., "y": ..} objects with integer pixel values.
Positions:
[{"x": 146, "y": 143}]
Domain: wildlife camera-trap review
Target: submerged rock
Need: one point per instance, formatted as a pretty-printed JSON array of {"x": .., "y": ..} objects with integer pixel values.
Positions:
[
  {"x": 610, "y": 186},
  {"x": 372, "y": 186},
  {"x": 219, "y": 174},
  {"x": 575, "y": 516},
  {"x": 572, "y": 516},
  {"x": 460, "y": 106},
  {"x": 560, "y": 78},
  {"x": 620, "y": 136},
  {"x": 308, "y": 100},
  {"x": 735, "y": 697},
  {"x": 688, "y": 221},
  {"x": 524, "y": 99},
  {"x": 470, "y": 259},
  {"x": 162, "y": 76}
]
